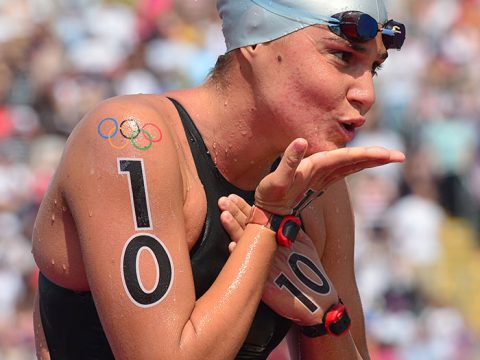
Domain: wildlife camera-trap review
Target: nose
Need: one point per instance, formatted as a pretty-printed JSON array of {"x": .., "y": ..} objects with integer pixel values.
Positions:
[{"x": 361, "y": 93}]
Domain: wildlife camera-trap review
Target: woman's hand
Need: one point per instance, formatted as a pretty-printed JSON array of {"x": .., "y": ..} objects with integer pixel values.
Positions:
[
  {"x": 283, "y": 189},
  {"x": 298, "y": 287}
]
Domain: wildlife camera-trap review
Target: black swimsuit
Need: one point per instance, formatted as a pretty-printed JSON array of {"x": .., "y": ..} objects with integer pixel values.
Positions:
[{"x": 70, "y": 320}]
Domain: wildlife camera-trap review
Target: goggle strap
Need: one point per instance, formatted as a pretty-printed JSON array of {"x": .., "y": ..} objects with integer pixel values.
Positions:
[{"x": 388, "y": 32}]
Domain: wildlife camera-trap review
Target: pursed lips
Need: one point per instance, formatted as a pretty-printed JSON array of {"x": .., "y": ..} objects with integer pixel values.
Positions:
[
  {"x": 353, "y": 123},
  {"x": 350, "y": 125}
]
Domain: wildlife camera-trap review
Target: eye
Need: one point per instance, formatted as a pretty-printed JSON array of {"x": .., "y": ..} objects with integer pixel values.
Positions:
[
  {"x": 376, "y": 67},
  {"x": 344, "y": 56}
]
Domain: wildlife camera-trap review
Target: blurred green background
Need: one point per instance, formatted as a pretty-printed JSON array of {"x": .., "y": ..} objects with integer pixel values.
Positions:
[{"x": 418, "y": 258}]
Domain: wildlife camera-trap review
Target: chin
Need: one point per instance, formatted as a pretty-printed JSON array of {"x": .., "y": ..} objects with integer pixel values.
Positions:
[{"x": 325, "y": 146}]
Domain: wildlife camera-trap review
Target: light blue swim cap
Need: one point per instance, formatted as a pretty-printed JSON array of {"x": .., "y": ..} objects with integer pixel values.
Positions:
[{"x": 249, "y": 22}]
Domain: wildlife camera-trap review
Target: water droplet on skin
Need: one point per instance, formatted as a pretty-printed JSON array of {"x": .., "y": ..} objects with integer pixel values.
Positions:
[
  {"x": 53, "y": 262},
  {"x": 90, "y": 213},
  {"x": 64, "y": 267},
  {"x": 64, "y": 208},
  {"x": 244, "y": 133},
  {"x": 53, "y": 218},
  {"x": 55, "y": 202}
]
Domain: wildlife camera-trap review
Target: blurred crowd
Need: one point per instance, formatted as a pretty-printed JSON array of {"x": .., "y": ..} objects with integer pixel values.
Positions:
[{"x": 417, "y": 223}]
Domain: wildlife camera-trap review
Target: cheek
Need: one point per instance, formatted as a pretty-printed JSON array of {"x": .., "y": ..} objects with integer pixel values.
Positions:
[
  {"x": 316, "y": 89},
  {"x": 310, "y": 101}
]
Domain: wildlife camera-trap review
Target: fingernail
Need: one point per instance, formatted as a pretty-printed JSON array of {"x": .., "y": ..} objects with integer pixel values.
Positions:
[{"x": 299, "y": 146}]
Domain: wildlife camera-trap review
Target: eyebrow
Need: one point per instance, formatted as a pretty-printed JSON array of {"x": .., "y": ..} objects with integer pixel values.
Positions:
[{"x": 355, "y": 46}]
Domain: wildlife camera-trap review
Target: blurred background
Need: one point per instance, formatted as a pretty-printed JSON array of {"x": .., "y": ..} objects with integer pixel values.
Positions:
[{"x": 418, "y": 257}]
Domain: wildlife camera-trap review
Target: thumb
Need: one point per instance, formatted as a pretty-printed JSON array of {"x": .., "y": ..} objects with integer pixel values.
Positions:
[{"x": 292, "y": 157}]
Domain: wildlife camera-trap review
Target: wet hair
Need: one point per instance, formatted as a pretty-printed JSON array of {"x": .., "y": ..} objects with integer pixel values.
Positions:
[{"x": 219, "y": 71}]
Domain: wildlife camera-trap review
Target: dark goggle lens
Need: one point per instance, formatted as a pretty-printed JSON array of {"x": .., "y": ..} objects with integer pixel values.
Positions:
[
  {"x": 393, "y": 35},
  {"x": 355, "y": 26},
  {"x": 360, "y": 27}
]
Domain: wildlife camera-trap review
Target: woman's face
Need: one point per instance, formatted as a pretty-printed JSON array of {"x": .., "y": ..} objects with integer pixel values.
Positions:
[{"x": 316, "y": 85}]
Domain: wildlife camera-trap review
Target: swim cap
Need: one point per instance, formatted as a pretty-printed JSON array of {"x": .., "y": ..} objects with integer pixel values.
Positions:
[{"x": 249, "y": 22}]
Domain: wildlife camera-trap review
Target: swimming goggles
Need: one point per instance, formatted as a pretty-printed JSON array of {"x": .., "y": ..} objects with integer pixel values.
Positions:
[{"x": 356, "y": 26}]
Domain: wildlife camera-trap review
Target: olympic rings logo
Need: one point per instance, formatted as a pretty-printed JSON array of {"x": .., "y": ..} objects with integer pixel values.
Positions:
[{"x": 130, "y": 130}]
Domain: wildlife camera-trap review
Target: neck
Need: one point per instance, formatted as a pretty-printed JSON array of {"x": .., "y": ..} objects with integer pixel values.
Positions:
[{"x": 237, "y": 135}]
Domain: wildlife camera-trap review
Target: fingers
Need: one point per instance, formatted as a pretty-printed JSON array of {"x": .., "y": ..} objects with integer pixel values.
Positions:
[
  {"x": 348, "y": 156},
  {"x": 231, "y": 246},
  {"x": 235, "y": 212},
  {"x": 345, "y": 171},
  {"x": 274, "y": 191},
  {"x": 231, "y": 226},
  {"x": 240, "y": 209},
  {"x": 236, "y": 206},
  {"x": 327, "y": 167},
  {"x": 292, "y": 157},
  {"x": 281, "y": 190}
]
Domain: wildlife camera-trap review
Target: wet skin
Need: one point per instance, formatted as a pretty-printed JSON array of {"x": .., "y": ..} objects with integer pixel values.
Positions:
[{"x": 86, "y": 217}]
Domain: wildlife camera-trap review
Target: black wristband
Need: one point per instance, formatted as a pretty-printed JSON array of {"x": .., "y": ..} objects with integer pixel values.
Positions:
[
  {"x": 286, "y": 227},
  {"x": 335, "y": 322}
]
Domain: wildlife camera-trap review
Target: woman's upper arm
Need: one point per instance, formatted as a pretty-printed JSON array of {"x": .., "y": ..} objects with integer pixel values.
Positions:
[{"x": 125, "y": 193}]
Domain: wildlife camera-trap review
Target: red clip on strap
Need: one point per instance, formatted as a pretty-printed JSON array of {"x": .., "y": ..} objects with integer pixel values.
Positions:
[
  {"x": 337, "y": 321},
  {"x": 286, "y": 236}
]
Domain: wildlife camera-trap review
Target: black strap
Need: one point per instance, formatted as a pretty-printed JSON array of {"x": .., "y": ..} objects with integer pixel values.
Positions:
[
  {"x": 314, "y": 330},
  {"x": 337, "y": 328}
]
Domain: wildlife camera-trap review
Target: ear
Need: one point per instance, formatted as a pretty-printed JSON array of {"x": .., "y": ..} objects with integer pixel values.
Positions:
[{"x": 249, "y": 51}]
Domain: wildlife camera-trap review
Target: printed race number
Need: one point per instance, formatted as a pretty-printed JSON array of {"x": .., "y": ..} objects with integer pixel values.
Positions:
[
  {"x": 130, "y": 270},
  {"x": 130, "y": 262},
  {"x": 283, "y": 281}
]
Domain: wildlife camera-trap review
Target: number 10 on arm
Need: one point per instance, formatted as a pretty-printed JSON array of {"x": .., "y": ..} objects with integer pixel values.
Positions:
[{"x": 137, "y": 292}]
